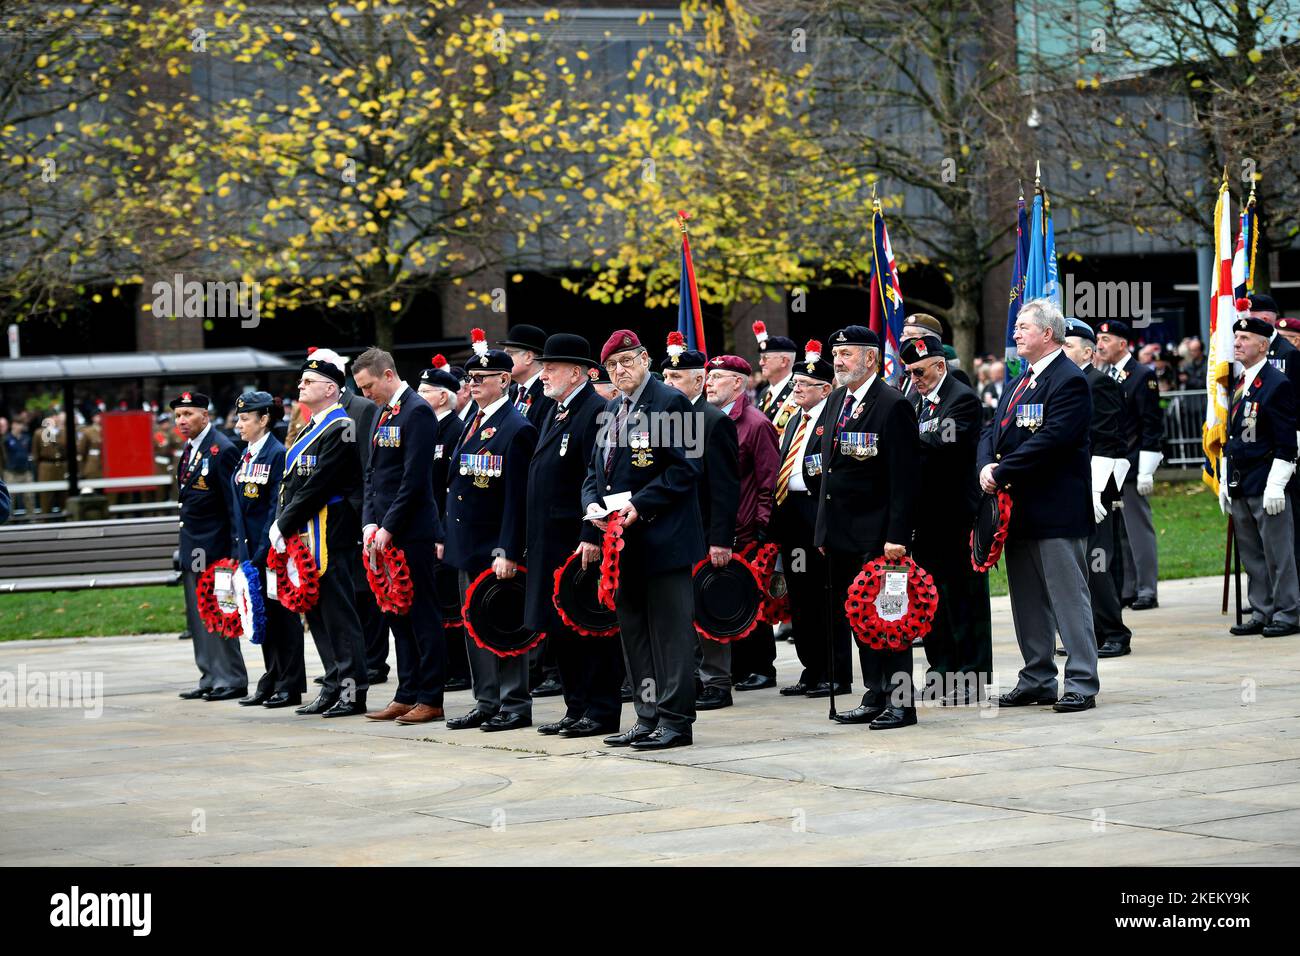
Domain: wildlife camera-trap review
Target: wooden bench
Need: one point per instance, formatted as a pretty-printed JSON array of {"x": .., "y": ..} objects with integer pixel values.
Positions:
[{"x": 127, "y": 552}]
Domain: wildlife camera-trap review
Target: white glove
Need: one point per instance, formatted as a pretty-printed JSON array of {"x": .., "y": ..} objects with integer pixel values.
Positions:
[
  {"x": 277, "y": 539},
  {"x": 1102, "y": 469},
  {"x": 1275, "y": 487},
  {"x": 1148, "y": 462},
  {"x": 1098, "y": 509},
  {"x": 1121, "y": 471},
  {"x": 1224, "y": 505}
]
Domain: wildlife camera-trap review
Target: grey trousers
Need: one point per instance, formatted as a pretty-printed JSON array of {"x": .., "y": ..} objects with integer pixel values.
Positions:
[
  {"x": 1267, "y": 546},
  {"x": 654, "y": 617},
  {"x": 715, "y": 664},
  {"x": 220, "y": 660},
  {"x": 1141, "y": 564},
  {"x": 500, "y": 683},
  {"x": 1048, "y": 581}
]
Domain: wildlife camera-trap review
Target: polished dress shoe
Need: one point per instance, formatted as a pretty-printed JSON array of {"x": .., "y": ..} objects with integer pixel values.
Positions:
[
  {"x": 1250, "y": 627},
  {"x": 795, "y": 690},
  {"x": 282, "y": 698},
  {"x": 638, "y": 732},
  {"x": 504, "y": 721},
  {"x": 1073, "y": 702},
  {"x": 1280, "y": 629},
  {"x": 322, "y": 703},
  {"x": 252, "y": 700},
  {"x": 1022, "y": 698},
  {"x": 548, "y": 688},
  {"x": 391, "y": 712},
  {"x": 564, "y": 723},
  {"x": 1144, "y": 604},
  {"x": 1114, "y": 649},
  {"x": 894, "y": 717},
  {"x": 1060, "y": 652},
  {"x": 662, "y": 739},
  {"x": 458, "y": 683},
  {"x": 348, "y": 708},
  {"x": 377, "y": 677},
  {"x": 197, "y": 693},
  {"x": 755, "y": 682},
  {"x": 475, "y": 718},
  {"x": 824, "y": 690},
  {"x": 586, "y": 727},
  {"x": 225, "y": 693},
  {"x": 713, "y": 698},
  {"x": 420, "y": 714},
  {"x": 862, "y": 714}
]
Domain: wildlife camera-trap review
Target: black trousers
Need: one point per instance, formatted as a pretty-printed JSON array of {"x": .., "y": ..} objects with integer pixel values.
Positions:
[
  {"x": 886, "y": 675},
  {"x": 756, "y": 654},
  {"x": 336, "y": 630},
  {"x": 960, "y": 642},
  {"x": 282, "y": 650},
  {"x": 457, "y": 655},
  {"x": 421, "y": 647},
  {"x": 591, "y": 669},
  {"x": 655, "y": 615},
  {"x": 374, "y": 628},
  {"x": 806, "y": 581},
  {"x": 1107, "y": 612}
]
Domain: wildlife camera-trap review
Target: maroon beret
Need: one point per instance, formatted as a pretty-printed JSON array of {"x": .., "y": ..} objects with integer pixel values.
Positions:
[
  {"x": 620, "y": 341},
  {"x": 1289, "y": 325},
  {"x": 730, "y": 363}
]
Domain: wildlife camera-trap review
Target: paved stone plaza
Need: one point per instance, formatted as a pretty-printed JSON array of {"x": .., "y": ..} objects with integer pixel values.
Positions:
[{"x": 1191, "y": 757}]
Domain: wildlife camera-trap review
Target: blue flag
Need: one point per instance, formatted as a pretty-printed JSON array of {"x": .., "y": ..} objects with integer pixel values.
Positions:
[
  {"x": 1052, "y": 288},
  {"x": 1017, "y": 297},
  {"x": 1036, "y": 267}
]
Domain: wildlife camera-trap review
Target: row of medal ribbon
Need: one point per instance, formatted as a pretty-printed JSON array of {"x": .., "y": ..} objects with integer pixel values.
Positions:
[{"x": 481, "y": 465}]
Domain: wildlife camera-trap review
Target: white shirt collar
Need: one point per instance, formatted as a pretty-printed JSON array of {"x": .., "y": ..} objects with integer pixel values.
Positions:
[
  {"x": 1119, "y": 366},
  {"x": 491, "y": 410},
  {"x": 813, "y": 412},
  {"x": 862, "y": 389},
  {"x": 255, "y": 448},
  {"x": 397, "y": 395},
  {"x": 1248, "y": 376},
  {"x": 1043, "y": 362},
  {"x": 529, "y": 384},
  {"x": 776, "y": 389},
  {"x": 463, "y": 413},
  {"x": 446, "y": 410},
  {"x": 696, "y": 399}
]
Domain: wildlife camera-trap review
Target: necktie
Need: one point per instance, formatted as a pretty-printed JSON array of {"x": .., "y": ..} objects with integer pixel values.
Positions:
[
  {"x": 384, "y": 416},
  {"x": 791, "y": 456},
  {"x": 183, "y": 471},
  {"x": 1015, "y": 396},
  {"x": 1113, "y": 372},
  {"x": 619, "y": 422},
  {"x": 849, "y": 402},
  {"x": 767, "y": 399}
]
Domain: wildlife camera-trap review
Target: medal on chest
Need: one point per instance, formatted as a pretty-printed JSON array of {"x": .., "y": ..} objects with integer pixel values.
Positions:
[
  {"x": 1029, "y": 416},
  {"x": 642, "y": 455},
  {"x": 564, "y": 444},
  {"x": 860, "y": 445}
]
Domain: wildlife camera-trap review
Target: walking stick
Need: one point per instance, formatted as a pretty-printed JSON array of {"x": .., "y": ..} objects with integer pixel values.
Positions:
[
  {"x": 1227, "y": 567},
  {"x": 1236, "y": 565}
]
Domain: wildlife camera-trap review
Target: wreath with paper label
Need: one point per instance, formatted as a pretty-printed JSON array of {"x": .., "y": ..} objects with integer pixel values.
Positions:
[
  {"x": 244, "y": 615},
  {"x": 297, "y": 579},
  {"x": 894, "y": 620},
  {"x": 775, "y": 608}
]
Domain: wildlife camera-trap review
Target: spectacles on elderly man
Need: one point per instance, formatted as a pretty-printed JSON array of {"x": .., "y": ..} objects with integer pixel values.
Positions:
[{"x": 627, "y": 361}]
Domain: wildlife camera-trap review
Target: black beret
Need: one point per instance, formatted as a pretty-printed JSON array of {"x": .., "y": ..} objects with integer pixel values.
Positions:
[
  {"x": 254, "y": 402},
  {"x": 922, "y": 347},
  {"x": 493, "y": 360},
  {"x": 1262, "y": 302},
  {"x": 190, "y": 400},
  {"x": 321, "y": 367},
  {"x": 778, "y": 343},
  {"x": 855, "y": 335},
  {"x": 440, "y": 378},
  {"x": 689, "y": 359},
  {"x": 1248, "y": 324},
  {"x": 1115, "y": 327}
]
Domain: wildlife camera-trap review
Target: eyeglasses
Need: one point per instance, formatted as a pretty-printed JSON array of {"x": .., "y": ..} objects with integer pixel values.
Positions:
[
  {"x": 304, "y": 382},
  {"x": 627, "y": 361},
  {"x": 480, "y": 378}
]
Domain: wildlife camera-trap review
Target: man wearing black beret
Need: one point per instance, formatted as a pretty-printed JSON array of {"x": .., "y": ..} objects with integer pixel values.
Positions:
[{"x": 1284, "y": 357}]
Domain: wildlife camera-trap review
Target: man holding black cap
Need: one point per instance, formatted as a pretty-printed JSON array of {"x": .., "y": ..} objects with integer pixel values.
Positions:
[
  {"x": 641, "y": 453},
  {"x": 1259, "y": 461},
  {"x": 867, "y": 508},
  {"x": 591, "y": 668},
  {"x": 775, "y": 399},
  {"x": 321, "y": 472},
  {"x": 486, "y": 524},
  {"x": 204, "y": 480},
  {"x": 959, "y": 646},
  {"x": 1145, "y": 424}
]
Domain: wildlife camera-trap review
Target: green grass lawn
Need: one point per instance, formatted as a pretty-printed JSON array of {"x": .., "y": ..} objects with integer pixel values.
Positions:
[{"x": 1187, "y": 520}]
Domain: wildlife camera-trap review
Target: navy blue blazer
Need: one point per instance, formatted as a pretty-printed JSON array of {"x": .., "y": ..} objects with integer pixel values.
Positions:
[
  {"x": 445, "y": 438},
  {"x": 255, "y": 496},
  {"x": 486, "y": 514},
  {"x": 1144, "y": 420},
  {"x": 205, "y": 502},
  {"x": 1263, "y": 426},
  {"x": 399, "y": 474},
  {"x": 1046, "y": 469},
  {"x": 662, "y": 477}
]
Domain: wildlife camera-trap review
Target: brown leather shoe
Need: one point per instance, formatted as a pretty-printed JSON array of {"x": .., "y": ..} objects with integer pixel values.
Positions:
[
  {"x": 391, "y": 712},
  {"x": 421, "y": 714}
]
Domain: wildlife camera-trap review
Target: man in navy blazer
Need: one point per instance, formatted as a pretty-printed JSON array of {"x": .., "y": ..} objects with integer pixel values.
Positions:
[
  {"x": 203, "y": 475},
  {"x": 399, "y": 511},
  {"x": 1036, "y": 448},
  {"x": 651, "y": 447},
  {"x": 485, "y": 528}
]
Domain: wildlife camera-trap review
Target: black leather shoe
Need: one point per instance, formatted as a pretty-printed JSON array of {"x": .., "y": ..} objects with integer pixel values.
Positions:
[
  {"x": 1114, "y": 649},
  {"x": 564, "y": 723},
  {"x": 862, "y": 714},
  {"x": 225, "y": 693},
  {"x": 824, "y": 690},
  {"x": 475, "y": 718},
  {"x": 713, "y": 698},
  {"x": 504, "y": 721},
  {"x": 348, "y": 708},
  {"x": 1073, "y": 702},
  {"x": 377, "y": 677},
  {"x": 586, "y": 727},
  {"x": 754, "y": 682},
  {"x": 322, "y": 703},
  {"x": 1060, "y": 652},
  {"x": 1250, "y": 627},
  {"x": 638, "y": 732},
  {"x": 458, "y": 683},
  {"x": 893, "y": 717},
  {"x": 795, "y": 690},
  {"x": 318, "y": 680},
  {"x": 1144, "y": 604},
  {"x": 282, "y": 698},
  {"x": 197, "y": 693},
  {"x": 1280, "y": 630},
  {"x": 1022, "y": 698},
  {"x": 252, "y": 700},
  {"x": 1126, "y": 602},
  {"x": 548, "y": 688},
  {"x": 662, "y": 739}
]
